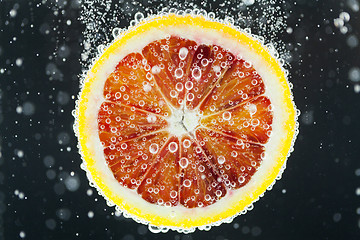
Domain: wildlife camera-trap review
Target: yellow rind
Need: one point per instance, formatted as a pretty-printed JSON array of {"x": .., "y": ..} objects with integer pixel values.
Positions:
[{"x": 229, "y": 31}]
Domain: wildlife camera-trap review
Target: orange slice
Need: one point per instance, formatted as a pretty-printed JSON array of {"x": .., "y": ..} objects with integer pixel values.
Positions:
[{"x": 184, "y": 122}]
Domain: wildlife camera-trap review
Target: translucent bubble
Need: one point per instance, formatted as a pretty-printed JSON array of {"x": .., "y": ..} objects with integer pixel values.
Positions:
[
  {"x": 173, "y": 147},
  {"x": 184, "y": 162},
  {"x": 179, "y": 73},
  {"x": 183, "y": 52},
  {"x": 28, "y": 108},
  {"x": 189, "y": 85},
  {"x": 221, "y": 159},
  {"x": 153, "y": 148},
  {"x": 196, "y": 73},
  {"x": 63, "y": 214},
  {"x": 186, "y": 143},
  {"x": 155, "y": 69},
  {"x": 190, "y": 97},
  {"x": 352, "y": 41},
  {"x": 49, "y": 161},
  {"x": 173, "y": 194},
  {"x": 179, "y": 86},
  {"x": 226, "y": 116},
  {"x": 139, "y": 17},
  {"x": 116, "y": 32},
  {"x": 173, "y": 94},
  {"x": 241, "y": 179},
  {"x": 354, "y": 74},
  {"x": 72, "y": 183},
  {"x": 151, "y": 118},
  {"x": 255, "y": 122},
  {"x": 123, "y": 146},
  {"x": 187, "y": 183}
]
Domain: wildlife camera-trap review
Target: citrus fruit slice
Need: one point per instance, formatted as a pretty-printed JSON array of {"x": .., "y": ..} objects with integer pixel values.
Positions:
[{"x": 184, "y": 122}]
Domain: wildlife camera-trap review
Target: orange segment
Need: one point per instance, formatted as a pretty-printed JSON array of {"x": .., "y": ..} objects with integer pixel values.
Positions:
[
  {"x": 201, "y": 185},
  {"x": 240, "y": 83},
  {"x": 132, "y": 85},
  {"x": 250, "y": 121},
  {"x": 236, "y": 160},
  {"x": 161, "y": 182},
  {"x": 208, "y": 65},
  {"x": 117, "y": 123},
  {"x": 130, "y": 160},
  {"x": 170, "y": 65}
]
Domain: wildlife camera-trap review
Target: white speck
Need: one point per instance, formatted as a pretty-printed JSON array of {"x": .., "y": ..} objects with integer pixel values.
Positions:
[
  {"x": 357, "y": 192},
  {"x": 22, "y": 234}
]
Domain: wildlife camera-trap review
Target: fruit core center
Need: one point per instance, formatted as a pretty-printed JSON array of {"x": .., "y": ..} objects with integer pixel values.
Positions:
[{"x": 183, "y": 121}]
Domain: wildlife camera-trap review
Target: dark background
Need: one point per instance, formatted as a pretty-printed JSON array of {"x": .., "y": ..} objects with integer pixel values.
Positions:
[{"x": 45, "y": 195}]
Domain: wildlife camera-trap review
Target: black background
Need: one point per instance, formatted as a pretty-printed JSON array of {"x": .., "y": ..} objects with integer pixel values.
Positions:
[{"x": 318, "y": 196}]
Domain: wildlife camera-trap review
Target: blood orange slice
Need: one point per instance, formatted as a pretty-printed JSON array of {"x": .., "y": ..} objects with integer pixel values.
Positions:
[{"x": 184, "y": 122}]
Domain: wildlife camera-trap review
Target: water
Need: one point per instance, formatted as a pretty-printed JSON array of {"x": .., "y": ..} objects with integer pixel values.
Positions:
[{"x": 41, "y": 43}]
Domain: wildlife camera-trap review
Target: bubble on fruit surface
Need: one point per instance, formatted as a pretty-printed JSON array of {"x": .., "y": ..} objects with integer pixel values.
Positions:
[
  {"x": 154, "y": 148},
  {"x": 183, "y": 52}
]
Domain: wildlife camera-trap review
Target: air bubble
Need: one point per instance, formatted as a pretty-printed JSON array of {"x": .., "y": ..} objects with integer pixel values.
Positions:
[
  {"x": 187, "y": 183},
  {"x": 226, "y": 116},
  {"x": 184, "y": 162},
  {"x": 139, "y": 17},
  {"x": 173, "y": 147},
  {"x": 196, "y": 73},
  {"x": 173, "y": 194},
  {"x": 155, "y": 70},
  {"x": 190, "y": 97},
  {"x": 183, "y": 52},
  {"x": 221, "y": 159},
  {"x": 179, "y": 73},
  {"x": 179, "y": 86},
  {"x": 153, "y": 148},
  {"x": 173, "y": 94},
  {"x": 186, "y": 143},
  {"x": 189, "y": 85},
  {"x": 123, "y": 146},
  {"x": 241, "y": 179}
]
